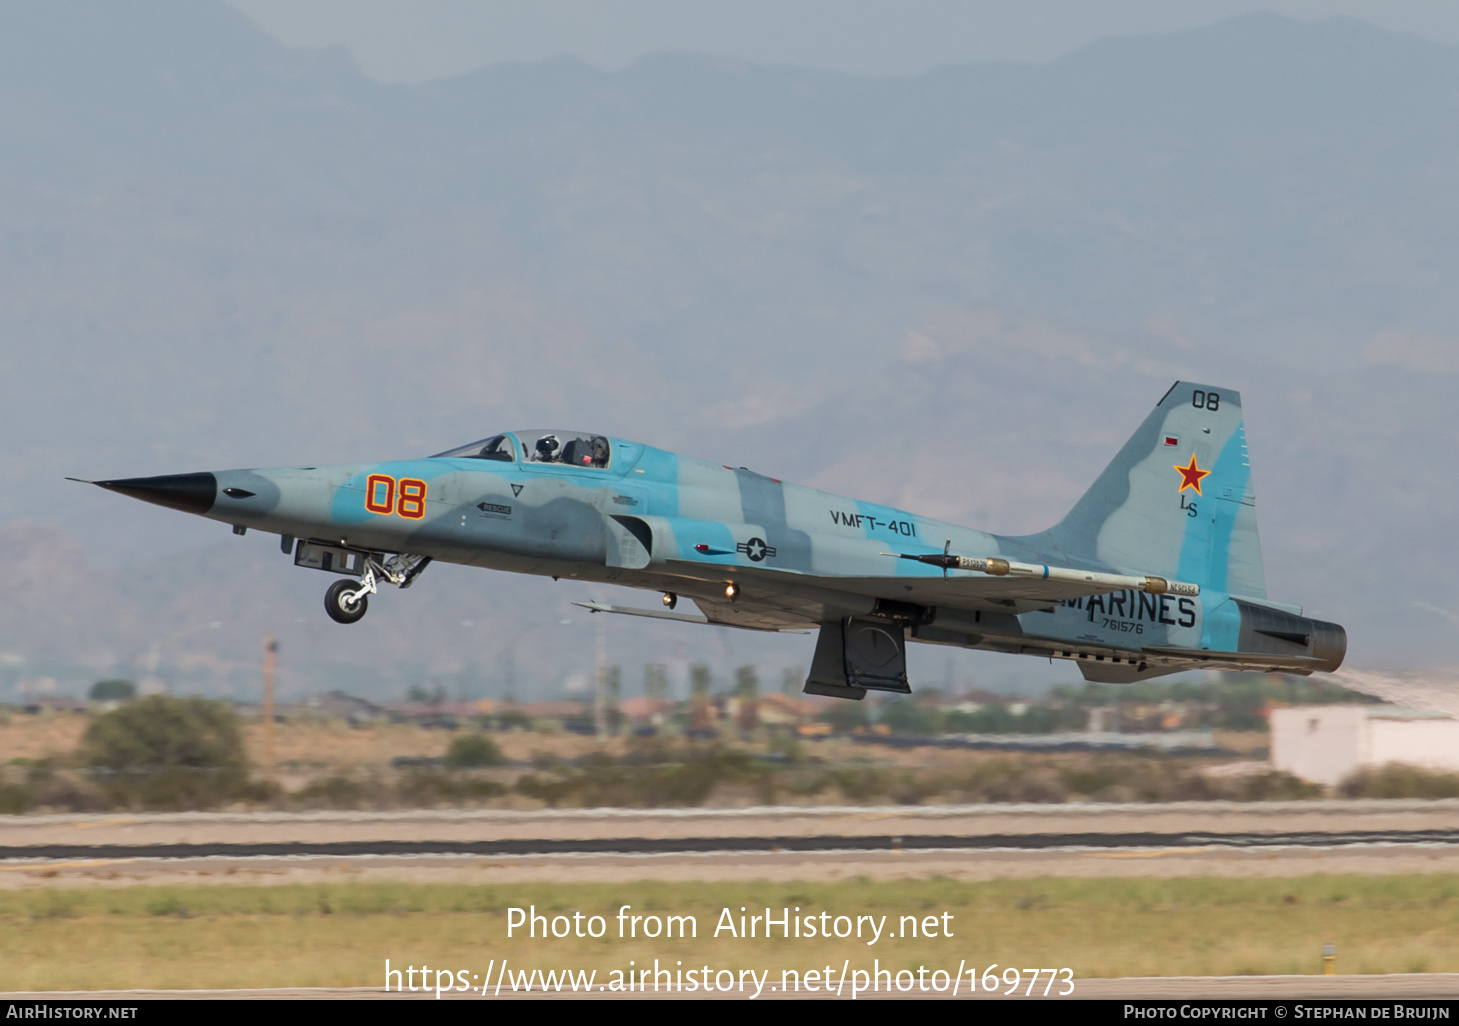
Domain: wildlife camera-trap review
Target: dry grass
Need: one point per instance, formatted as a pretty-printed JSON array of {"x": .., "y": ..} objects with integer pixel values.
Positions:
[
  {"x": 42, "y": 736},
  {"x": 341, "y": 934},
  {"x": 330, "y": 764},
  {"x": 335, "y": 745},
  {"x": 314, "y": 744},
  {"x": 302, "y": 745}
]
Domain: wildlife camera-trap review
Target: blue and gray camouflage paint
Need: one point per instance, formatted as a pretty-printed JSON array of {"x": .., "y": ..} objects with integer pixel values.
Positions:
[{"x": 1174, "y": 508}]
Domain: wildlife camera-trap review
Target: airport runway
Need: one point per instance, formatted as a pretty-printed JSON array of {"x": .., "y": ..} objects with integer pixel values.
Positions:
[
  {"x": 854, "y": 843},
  {"x": 488, "y": 832},
  {"x": 781, "y": 843}
]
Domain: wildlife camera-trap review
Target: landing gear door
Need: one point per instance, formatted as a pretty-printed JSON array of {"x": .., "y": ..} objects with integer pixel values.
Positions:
[
  {"x": 331, "y": 558},
  {"x": 876, "y": 655},
  {"x": 857, "y": 654},
  {"x": 828, "y": 665}
]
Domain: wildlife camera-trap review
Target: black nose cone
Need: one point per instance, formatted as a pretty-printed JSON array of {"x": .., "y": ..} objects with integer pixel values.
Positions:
[{"x": 191, "y": 493}]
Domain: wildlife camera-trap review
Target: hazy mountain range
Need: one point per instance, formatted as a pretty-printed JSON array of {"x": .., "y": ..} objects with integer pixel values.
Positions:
[{"x": 958, "y": 293}]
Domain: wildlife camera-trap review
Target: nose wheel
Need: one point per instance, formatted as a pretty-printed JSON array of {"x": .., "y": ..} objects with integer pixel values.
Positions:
[{"x": 346, "y": 601}]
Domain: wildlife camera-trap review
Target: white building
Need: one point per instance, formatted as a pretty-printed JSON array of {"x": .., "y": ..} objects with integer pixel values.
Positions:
[{"x": 1327, "y": 743}]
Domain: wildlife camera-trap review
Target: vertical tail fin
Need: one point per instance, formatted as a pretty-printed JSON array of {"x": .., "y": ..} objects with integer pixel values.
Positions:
[{"x": 1176, "y": 501}]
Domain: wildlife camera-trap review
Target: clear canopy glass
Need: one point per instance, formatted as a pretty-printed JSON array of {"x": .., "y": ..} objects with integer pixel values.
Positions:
[
  {"x": 554, "y": 445},
  {"x": 497, "y": 447}
]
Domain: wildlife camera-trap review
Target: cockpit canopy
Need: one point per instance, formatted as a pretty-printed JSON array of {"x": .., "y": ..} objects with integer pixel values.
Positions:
[
  {"x": 497, "y": 447},
  {"x": 572, "y": 447},
  {"x": 575, "y": 448}
]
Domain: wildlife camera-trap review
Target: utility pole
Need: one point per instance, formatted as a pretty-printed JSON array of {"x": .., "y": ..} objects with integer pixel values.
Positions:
[
  {"x": 600, "y": 688},
  {"x": 270, "y": 655}
]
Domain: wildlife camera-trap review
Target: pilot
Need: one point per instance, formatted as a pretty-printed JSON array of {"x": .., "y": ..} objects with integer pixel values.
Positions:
[
  {"x": 600, "y": 451},
  {"x": 547, "y": 447}
]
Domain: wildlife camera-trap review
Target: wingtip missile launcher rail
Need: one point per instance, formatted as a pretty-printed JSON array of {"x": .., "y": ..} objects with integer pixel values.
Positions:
[{"x": 997, "y": 567}]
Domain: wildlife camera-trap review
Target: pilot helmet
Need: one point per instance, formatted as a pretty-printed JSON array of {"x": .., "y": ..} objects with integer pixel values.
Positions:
[{"x": 547, "y": 446}]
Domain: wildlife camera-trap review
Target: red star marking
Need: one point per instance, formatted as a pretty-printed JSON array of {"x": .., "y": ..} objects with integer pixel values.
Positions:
[{"x": 1190, "y": 477}]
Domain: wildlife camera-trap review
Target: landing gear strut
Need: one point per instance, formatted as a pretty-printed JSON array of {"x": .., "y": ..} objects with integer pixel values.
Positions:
[{"x": 347, "y": 600}]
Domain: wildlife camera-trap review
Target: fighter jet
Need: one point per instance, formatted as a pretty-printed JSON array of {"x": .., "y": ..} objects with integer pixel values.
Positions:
[{"x": 1155, "y": 570}]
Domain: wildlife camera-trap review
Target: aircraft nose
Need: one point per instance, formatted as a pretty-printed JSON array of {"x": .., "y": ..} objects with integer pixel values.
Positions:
[{"x": 191, "y": 493}]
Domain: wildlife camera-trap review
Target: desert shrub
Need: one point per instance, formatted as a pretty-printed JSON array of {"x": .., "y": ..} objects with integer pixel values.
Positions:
[
  {"x": 1396, "y": 780},
  {"x": 1108, "y": 777},
  {"x": 654, "y": 775},
  {"x": 166, "y": 752},
  {"x": 28, "y": 785},
  {"x": 67, "y": 791},
  {"x": 15, "y": 799},
  {"x": 163, "y": 733},
  {"x": 1101, "y": 777},
  {"x": 1273, "y": 786},
  {"x": 1020, "y": 782},
  {"x": 37, "y": 771},
  {"x": 427, "y": 788},
  {"x": 473, "y": 751},
  {"x": 336, "y": 792},
  {"x": 552, "y": 790},
  {"x": 858, "y": 783}
]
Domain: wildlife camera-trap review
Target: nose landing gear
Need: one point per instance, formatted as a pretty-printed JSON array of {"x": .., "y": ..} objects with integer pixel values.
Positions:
[{"x": 346, "y": 601}]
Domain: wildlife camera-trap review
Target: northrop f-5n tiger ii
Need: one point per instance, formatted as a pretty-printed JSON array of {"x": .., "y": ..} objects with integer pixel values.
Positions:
[{"x": 1156, "y": 569}]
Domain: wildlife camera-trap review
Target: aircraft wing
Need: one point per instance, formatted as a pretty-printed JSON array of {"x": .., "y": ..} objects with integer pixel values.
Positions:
[
  {"x": 757, "y": 613},
  {"x": 799, "y": 600}
]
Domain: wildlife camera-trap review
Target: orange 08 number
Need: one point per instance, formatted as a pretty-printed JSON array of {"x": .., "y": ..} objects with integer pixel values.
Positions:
[
  {"x": 412, "y": 498},
  {"x": 380, "y": 494}
]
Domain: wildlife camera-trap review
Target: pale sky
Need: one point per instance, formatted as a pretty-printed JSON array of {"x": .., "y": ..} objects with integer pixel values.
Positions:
[{"x": 418, "y": 40}]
